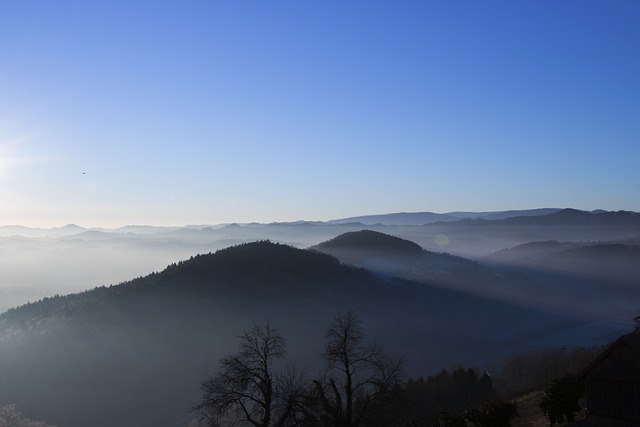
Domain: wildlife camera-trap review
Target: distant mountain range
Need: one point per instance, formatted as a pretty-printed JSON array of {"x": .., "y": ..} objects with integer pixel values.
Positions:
[
  {"x": 569, "y": 217},
  {"x": 496, "y": 215},
  {"x": 402, "y": 218},
  {"x": 421, "y": 218},
  {"x": 530, "y": 216}
]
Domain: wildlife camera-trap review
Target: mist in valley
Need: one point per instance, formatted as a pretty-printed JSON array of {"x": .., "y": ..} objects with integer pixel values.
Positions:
[
  {"x": 45, "y": 262},
  {"x": 139, "y": 318}
]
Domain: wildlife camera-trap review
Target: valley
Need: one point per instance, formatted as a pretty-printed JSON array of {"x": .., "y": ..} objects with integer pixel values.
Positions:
[{"x": 147, "y": 342}]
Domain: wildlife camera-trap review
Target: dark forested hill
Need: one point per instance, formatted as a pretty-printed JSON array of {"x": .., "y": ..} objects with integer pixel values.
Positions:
[
  {"x": 134, "y": 354},
  {"x": 370, "y": 241}
]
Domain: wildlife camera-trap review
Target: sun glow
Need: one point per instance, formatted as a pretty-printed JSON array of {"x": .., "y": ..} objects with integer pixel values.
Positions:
[
  {"x": 5, "y": 162},
  {"x": 8, "y": 160},
  {"x": 15, "y": 148},
  {"x": 14, "y": 158}
]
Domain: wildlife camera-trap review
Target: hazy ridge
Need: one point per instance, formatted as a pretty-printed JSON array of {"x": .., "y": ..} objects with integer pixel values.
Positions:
[
  {"x": 463, "y": 291},
  {"x": 147, "y": 343},
  {"x": 73, "y": 258}
]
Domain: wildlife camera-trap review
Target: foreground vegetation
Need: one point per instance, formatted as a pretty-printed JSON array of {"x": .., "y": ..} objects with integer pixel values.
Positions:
[{"x": 362, "y": 386}]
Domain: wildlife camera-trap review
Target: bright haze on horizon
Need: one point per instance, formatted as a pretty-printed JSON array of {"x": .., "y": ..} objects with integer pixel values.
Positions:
[{"x": 213, "y": 112}]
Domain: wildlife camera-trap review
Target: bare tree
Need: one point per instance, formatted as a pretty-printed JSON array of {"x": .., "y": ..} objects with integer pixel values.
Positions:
[
  {"x": 246, "y": 387},
  {"x": 359, "y": 376},
  {"x": 292, "y": 397}
]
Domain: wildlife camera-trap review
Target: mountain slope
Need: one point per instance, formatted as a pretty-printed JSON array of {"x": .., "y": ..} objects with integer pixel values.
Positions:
[
  {"x": 134, "y": 354},
  {"x": 389, "y": 255},
  {"x": 610, "y": 262},
  {"x": 565, "y": 278}
]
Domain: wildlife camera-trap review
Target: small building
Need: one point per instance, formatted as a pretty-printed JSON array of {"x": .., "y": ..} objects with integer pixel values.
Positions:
[{"x": 613, "y": 385}]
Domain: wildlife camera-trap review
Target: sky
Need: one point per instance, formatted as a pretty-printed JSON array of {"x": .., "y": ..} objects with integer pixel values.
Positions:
[{"x": 205, "y": 112}]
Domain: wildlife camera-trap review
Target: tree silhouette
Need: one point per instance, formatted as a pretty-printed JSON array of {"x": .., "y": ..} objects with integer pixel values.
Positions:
[
  {"x": 560, "y": 401},
  {"x": 247, "y": 388},
  {"x": 359, "y": 377}
]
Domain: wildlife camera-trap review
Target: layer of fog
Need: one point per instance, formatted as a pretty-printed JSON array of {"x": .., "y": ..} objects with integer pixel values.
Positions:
[
  {"x": 61, "y": 261},
  {"x": 35, "y": 263}
]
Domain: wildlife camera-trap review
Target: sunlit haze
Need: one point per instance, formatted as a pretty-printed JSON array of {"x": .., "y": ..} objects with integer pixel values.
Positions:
[
  {"x": 304, "y": 212},
  {"x": 168, "y": 113}
]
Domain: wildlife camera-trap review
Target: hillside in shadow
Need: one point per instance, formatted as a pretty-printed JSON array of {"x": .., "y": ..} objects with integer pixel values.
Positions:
[
  {"x": 144, "y": 346},
  {"x": 593, "y": 282},
  {"x": 393, "y": 256}
]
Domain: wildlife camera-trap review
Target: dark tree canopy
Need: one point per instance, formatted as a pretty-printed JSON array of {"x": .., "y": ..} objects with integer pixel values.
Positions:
[
  {"x": 439, "y": 397},
  {"x": 560, "y": 401},
  {"x": 497, "y": 413}
]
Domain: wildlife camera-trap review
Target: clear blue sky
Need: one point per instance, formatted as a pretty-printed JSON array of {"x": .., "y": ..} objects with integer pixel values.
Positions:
[{"x": 191, "y": 112}]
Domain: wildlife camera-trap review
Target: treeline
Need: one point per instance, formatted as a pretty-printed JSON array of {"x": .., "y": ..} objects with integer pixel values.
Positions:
[
  {"x": 526, "y": 372},
  {"x": 440, "y": 398}
]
